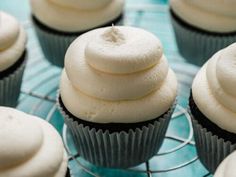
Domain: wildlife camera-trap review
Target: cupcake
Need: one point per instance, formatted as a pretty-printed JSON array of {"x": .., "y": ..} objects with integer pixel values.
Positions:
[
  {"x": 203, "y": 27},
  {"x": 59, "y": 22},
  {"x": 30, "y": 147},
  {"x": 117, "y": 94},
  {"x": 227, "y": 167},
  {"x": 13, "y": 56},
  {"x": 213, "y": 108}
]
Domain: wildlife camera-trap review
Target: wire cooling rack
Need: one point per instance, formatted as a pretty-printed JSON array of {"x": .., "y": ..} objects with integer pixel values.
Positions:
[{"x": 177, "y": 157}]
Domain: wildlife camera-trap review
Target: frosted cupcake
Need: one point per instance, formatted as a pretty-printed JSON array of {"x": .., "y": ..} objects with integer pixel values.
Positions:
[
  {"x": 30, "y": 147},
  {"x": 213, "y": 108},
  {"x": 59, "y": 22},
  {"x": 203, "y": 27},
  {"x": 117, "y": 94},
  {"x": 13, "y": 56},
  {"x": 227, "y": 167}
]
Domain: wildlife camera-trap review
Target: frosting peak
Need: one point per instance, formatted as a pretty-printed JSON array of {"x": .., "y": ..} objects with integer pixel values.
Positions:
[
  {"x": 113, "y": 35},
  {"x": 216, "y": 82}
]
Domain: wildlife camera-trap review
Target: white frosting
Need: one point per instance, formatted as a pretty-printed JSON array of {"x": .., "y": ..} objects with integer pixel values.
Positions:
[
  {"x": 29, "y": 146},
  {"x": 213, "y": 89},
  {"x": 144, "y": 90},
  {"x": 82, "y": 4},
  {"x": 227, "y": 167},
  {"x": 115, "y": 86},
  {"x": 126, "y": 111},
  {"x": 12, "y": 41},
  {"x": 76, "y": 15},
  {"x": 122, "y": 53},
  {"x": 210, "y": 15}
]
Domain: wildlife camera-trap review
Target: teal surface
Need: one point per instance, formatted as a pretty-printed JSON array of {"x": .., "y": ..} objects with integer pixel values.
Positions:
[{"x": 177, "y": 157}]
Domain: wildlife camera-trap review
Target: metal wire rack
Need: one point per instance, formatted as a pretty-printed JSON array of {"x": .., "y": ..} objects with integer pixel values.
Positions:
[{"x": 177, "y": 156}]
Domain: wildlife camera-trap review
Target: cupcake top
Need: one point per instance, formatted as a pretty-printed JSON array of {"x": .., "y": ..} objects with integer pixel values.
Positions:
[
  {"x": 211, "y": 15},
  {"x": 214, "y": 89},
  {"x": 29, "y": 146},
  {"x": 117, "y": 75},
  {"x": 76, "y": 15},
  {"x": 12, "y": 40},
  {"x": 227, "y": 167}
]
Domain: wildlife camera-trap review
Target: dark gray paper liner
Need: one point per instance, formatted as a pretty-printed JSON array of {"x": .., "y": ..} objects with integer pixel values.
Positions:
[
  {"x": 54, "y": 46},
  {"x": 10, "y": 86},
  {"x": 196, "y": 46},
  {"x": 118, "y": 149},
  {"x": 211, "y": 149}
]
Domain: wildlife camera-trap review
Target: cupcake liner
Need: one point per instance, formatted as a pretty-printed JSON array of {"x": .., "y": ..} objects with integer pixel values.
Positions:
[
  {"x": 10, "y": 86},
  {"x": 54, "y": 46},
  {"x": 197, "y": 46},
  {"x": 211, "y": 149},
  {"x": 118, "y": 149},
  {"x": 68, "y": 173}
]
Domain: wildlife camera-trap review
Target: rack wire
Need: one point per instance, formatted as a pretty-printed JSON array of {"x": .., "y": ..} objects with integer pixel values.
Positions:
[{"x": 38, "y": 97}]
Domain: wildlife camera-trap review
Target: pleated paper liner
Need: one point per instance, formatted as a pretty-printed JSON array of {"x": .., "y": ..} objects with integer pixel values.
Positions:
[
  {"x": 121, "y": 149},
  {"x": 211, "y": 149},
  {"x": 68, "y": 173},
  {"x": 55, "y": 43},
  {"x": 10, "y": 82},
  {"x": 197, "y": 45}
]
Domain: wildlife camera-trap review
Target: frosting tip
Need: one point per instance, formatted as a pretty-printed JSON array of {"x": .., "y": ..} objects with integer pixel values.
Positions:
[{"x": 114, "y": 35}]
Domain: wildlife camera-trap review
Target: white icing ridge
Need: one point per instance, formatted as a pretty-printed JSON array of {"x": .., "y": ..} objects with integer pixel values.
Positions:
[
  {"x": 12, "y": 41},
  {"x": 76, "y": 15},
  {"x": 227, "y": 167},
  {"x": 97, "y": 89},
  {"x": 214, "y": 89},
  {"x": 211, "y": 15},
  {"x": 29, "y": 146}
]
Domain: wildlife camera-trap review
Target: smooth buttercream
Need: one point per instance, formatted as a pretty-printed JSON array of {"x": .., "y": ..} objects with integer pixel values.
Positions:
[
  {"x": 144, "y": 91},
  {"x": 227, "y": 167},
  {"x": 76, "y": 16},
  {"x": 29, "y": 146},
  {"x": 214, "y": 89},
  {"x": 12, "y": 40},
  {"x": 214, "y": 16}
]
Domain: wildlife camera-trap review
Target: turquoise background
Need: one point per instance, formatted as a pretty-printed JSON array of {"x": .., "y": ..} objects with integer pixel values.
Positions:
[{"x": 177, "y": 157}]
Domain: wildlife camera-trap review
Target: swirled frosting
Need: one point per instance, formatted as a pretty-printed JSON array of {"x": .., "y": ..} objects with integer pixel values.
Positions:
[
  {"x": 227, "y": 167},
  {"x": 29, "y": 146},
  {"x": 12, "y": 40},
  {"x": 117, "y": 74},
  {"x": 210, "y": 15},
  {"x": 214, "y": 89},
  {"x": 76, "y": 15}
]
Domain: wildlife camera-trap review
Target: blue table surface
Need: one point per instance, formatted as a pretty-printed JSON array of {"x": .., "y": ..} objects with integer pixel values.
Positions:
[{"x": 177, "y": 157}]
